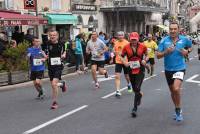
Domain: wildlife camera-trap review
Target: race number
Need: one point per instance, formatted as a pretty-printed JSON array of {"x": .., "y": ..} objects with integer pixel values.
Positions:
[
  {"x": 37, "y": 62},
  {"x": 134, "y": 64},
  {"x": 178, "y": 75},
  {"x": 56, "y": 61}
]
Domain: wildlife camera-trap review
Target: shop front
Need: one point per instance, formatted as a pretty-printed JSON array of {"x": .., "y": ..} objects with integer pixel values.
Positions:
[
  {"x": 63, "y": 23},
  {"x": 10, "y": 21}
]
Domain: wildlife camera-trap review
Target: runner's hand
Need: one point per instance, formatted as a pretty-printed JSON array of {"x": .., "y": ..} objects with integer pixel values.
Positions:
[
  {"x": 184, "y": 52},
  {"x": 169, "y": 50}
]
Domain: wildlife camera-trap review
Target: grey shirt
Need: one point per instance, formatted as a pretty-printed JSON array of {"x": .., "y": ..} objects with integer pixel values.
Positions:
[{"x": 95, "y": 48}]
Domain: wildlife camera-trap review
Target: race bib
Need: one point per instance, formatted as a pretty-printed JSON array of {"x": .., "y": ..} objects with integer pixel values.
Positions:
[
  {"x": 134, "y": 64},
  {"x": 149, "y": 50},
  {"x": 56, "y": 61},
  {"x": 37, "y": 62},
  {"x": 178, "y": 75}
]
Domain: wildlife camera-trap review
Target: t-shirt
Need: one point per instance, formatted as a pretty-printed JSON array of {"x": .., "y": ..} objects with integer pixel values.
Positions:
[
  {"x": 118, "y": 47},
  {"x": 96, "y": 48},
  {"x": 151, "y": 47},
  {"x": 174, "y": 61},
  {"x": 36, "y": 54},
  {"x": 54, "y": 52},
  {"x": 135, "y": 57}
]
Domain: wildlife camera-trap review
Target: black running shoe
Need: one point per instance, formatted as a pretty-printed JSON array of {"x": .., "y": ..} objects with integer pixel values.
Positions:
[
  {"x": 64, "y": 87},
  {"x": 106, "y": 74},
  {"x": 134, "y": 112}
]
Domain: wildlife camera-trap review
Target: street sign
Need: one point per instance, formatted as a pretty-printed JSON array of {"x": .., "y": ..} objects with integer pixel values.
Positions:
[{"x": 30, "y": 4}]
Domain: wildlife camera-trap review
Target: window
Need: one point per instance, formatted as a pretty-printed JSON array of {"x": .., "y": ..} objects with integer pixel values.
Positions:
[
  {"x": 9, "y": 4},
  {"x": 1, "y": 4},
  {"x": 56, "y": 4}
]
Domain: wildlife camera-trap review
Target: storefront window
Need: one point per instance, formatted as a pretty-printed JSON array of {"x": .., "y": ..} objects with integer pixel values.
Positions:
[
  {"x": 9, "y": 4},
  {"x": 56, "y": 4}
]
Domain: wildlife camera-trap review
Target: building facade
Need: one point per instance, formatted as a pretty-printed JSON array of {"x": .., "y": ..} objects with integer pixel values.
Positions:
[
  {"x": 86, "y": 12},
  {"x": 56, "y": 11},
  {"x": 132, "y": 15}
]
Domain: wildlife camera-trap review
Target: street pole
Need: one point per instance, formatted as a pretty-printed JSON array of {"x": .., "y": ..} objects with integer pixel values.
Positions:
[
  {"x": 117, "y": 19},
  {"x": 36, "y": 13}
]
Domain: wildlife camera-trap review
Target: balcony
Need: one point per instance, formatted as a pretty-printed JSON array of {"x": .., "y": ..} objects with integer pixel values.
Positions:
[{"x": 133, "y": 5}]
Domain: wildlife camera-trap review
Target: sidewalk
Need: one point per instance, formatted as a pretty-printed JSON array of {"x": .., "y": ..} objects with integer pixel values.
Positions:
[{"x": 20, "y": 85}]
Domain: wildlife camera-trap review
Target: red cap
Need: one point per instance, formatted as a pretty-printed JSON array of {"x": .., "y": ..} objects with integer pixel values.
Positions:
[{"x": 134, "y": 36}]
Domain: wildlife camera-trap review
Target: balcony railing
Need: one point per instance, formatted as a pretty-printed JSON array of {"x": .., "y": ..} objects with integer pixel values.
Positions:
[
  {"x": 149, "y": 3},
  {"x": 138, "y": 5}
]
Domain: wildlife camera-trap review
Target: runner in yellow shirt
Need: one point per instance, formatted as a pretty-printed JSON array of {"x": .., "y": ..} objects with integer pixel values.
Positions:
[
  {"x": 118, "y": 47},
  {"x": 151, "y": 47}
]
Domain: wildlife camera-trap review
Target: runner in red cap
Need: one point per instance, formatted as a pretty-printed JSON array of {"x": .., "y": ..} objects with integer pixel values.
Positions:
[{"x": 136, "y": 53}]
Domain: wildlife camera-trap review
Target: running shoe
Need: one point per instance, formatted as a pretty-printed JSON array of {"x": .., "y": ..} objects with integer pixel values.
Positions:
[
  {"x": 175, "y": 115},
  {"x": 179, "y": 117},
  {"x": 97, "y": 85},
  {"x": 134, "y": 112},
  {"x": 129, "y": 89},
  {"x": 106, "y": 74},
  {"x": 64, "y": 87},
  {"x": 118, "y": 93},
  {"x": 54, "y": 105},
  {"x": 42, "y": 93}
]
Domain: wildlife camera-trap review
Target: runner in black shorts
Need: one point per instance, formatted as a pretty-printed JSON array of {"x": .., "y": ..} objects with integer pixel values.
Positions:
[
  {"x": 56, "y": 53},
  {"x": 118, "y": 47},
  {"x": 97, "y": 48},
  {"x": 37, "y": 57}
]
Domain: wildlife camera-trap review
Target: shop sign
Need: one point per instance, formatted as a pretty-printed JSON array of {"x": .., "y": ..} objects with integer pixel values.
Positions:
[
  {"x": 30, "y": 4},
  {"x": 81, "y": 7},
  {"x": 22, "y": 22}
]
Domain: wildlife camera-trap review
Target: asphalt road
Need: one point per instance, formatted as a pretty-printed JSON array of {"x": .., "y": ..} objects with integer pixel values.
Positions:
[{"x": 86, "y": 110}]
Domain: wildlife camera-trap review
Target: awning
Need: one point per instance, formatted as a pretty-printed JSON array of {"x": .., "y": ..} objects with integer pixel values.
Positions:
[
  {"x": 62, "y": 19},
  {"x": 8, "y": 18},
  {"x": 163, "y": 27}
]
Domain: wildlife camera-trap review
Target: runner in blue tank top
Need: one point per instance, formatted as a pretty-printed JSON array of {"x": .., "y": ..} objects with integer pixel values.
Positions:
[
  {"x": 37, "y": 59},
  {"x": 172, "y": 48}
]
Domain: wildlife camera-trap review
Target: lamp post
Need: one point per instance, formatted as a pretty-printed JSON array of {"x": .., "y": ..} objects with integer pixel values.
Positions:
[{"x": 116, "y": 6}]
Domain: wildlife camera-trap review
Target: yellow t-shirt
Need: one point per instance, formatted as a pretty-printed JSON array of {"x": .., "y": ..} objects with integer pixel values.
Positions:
[
  {"x": 151, "y": 47},
  {"x": 118, "y": 47}
]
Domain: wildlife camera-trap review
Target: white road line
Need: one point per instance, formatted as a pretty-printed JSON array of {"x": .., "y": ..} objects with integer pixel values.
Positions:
[
  {"x": 191, "y": 79},
  {"x": 195, "y": 56},
  {"x": 158, "y": 89},
  {"x": 150, "y": 77},
  {"x": 113, "y": 93},
  {"x": 55, "y": 120},
  {"x": 191, "y": 58},
  {"x": 162, "y": 71}
]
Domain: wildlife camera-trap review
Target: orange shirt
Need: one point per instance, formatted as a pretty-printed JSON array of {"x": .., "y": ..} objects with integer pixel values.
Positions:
[{"x": 118, "y": 47}]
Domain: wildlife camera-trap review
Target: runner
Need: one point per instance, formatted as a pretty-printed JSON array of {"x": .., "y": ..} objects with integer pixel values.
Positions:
[
  {"x": 172, "y": 49},
  {"x": 97, "y": 48},
  {"x": 136, "y": 53},
  {"x": 56, "y": 53},
  {"x": 37, "y": 58},
  {"x": 118, "y": 47},
  {"x": 151, "y": 47}
]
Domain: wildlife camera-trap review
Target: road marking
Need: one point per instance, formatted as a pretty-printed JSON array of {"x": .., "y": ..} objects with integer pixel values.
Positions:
[
  {"x": 191, "y": 58},
  {"x": 55, "y": 120},
  {"x": 191, "y": 79},
  {"x": 158, "y": 89},
  {"x": 162, "y": 71},
  {"x": 111, "y": 77},
  {"x": 113, "y": 93},
  {"x": 196, "y": 56}
]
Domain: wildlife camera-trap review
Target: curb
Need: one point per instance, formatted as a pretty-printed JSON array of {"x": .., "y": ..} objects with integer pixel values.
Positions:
[{"x": 20, "y": 85}]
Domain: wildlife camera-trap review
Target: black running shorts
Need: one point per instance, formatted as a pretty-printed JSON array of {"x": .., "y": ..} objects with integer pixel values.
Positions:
[
  {"x": 36, "y": 75},
  {"x": 169, "y": 76},
  {"x": 119, "y": 67}
]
